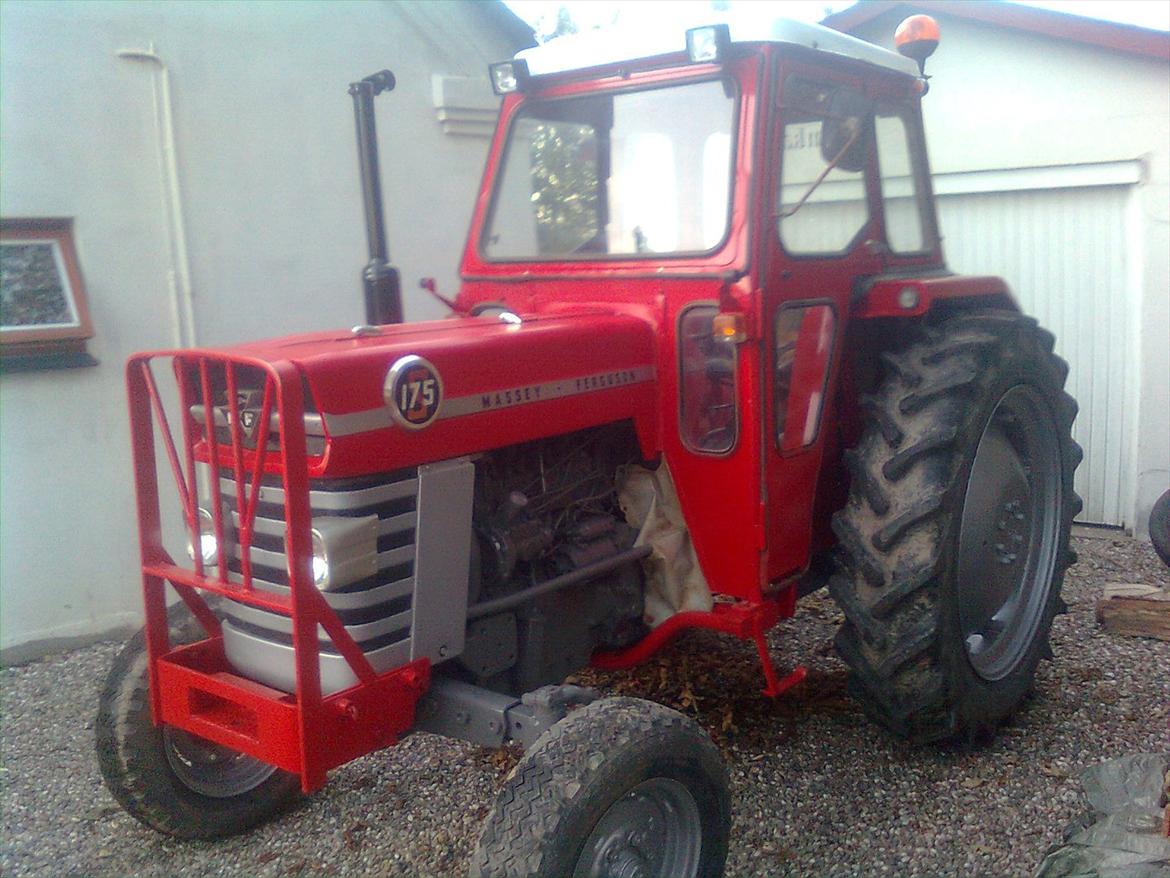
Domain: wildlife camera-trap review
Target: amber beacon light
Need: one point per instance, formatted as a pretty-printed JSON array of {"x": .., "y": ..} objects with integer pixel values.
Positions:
[{"x": 917, "y": 38}]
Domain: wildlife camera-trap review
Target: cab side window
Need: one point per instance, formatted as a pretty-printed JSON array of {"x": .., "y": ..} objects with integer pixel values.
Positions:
[
  {"x": 822, "y": 206},
  {"x": 708, "y": 402}
]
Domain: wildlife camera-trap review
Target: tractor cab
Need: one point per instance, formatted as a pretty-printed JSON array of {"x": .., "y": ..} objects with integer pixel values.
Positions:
[{"x": 735, "y": 189}]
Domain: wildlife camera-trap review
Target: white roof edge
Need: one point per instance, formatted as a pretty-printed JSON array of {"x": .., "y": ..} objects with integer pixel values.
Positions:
[{"x": 613, "y": 45}]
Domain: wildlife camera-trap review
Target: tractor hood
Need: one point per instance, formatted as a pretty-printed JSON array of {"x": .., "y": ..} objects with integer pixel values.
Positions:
[{"x": 419, "y": 392}]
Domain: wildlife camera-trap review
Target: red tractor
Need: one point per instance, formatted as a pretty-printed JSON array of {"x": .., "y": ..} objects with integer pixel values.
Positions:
[{"x": 706, "y": 358}]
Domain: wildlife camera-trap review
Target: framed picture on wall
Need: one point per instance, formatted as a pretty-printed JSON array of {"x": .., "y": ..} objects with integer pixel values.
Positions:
[{"x": 44, "y": 314}]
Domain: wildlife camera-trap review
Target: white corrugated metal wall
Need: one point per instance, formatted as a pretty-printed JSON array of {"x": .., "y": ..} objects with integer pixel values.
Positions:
[{"x": 1065, "y": 254}]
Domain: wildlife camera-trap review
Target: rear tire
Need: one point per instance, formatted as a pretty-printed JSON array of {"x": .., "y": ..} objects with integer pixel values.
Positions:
[
  {"x": 170, "y": 780},
  {"x": 1160, "y": 527},
  {"x": 954, "y": 541},
  {"x": 619, "y": 787}
]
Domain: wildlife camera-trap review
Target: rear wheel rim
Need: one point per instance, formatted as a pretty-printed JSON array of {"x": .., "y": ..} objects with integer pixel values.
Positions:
[
  {"x": 653, "y": 830},
  {"x": 211, "y": 769},
  {"x": 1008, "y": 533}
]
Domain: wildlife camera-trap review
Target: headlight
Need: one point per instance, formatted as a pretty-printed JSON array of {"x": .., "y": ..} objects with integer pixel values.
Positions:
[
  {"x": 345, "y": 550},
  {"x": 320, "y": 563},
  {"x": 208, "y": 547}
]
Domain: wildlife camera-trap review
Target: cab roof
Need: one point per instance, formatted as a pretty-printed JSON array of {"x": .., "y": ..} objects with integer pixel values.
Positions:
[{"x": 613, "y": 46}]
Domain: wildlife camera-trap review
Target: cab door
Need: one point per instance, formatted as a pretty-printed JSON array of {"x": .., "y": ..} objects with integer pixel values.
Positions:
[{"x": 822, "y": 235}]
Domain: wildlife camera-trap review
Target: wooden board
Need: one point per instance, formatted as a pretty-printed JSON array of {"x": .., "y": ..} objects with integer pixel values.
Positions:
[{"x": 1135, "y": 610}]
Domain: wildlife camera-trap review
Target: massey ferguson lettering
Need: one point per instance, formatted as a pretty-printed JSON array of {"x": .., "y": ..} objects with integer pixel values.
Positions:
[
  {"x": 498, "y": 399},
  {"x": 610, "y": 379},
  {"x": 504, "y": 398}
]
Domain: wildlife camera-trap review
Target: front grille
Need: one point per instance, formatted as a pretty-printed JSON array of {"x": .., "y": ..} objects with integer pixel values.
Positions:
[{"x": 377, "y": 609}]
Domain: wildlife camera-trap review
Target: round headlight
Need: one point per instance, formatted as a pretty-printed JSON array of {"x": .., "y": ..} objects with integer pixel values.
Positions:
[
  {"x": 320, "y": 563},
  {"x": 208, "y": 547}
]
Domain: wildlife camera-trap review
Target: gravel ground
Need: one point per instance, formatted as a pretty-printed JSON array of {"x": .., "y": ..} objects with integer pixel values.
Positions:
[{"x": 817, "y": 790}]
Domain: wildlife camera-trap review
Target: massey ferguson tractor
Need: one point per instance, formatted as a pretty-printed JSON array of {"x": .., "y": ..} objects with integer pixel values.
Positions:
[{"x": 705, "y": 358}]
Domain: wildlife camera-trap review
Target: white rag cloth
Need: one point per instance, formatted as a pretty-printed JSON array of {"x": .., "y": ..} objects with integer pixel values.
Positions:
[{"x": 674, "y": 580}]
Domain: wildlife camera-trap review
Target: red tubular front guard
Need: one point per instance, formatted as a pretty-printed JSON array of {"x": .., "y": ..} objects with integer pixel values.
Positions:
[{"x": 193, "y": 687}]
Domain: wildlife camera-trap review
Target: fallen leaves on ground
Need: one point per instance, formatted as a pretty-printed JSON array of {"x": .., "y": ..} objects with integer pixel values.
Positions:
[{"x": 717, "y": 680}]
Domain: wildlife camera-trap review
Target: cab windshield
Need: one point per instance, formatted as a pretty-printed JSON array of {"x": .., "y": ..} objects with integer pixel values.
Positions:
[{"x": 619, "y": 175}]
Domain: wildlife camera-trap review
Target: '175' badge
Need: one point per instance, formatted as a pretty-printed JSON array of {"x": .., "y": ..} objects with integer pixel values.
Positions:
[{"x": 413, "y": 391}]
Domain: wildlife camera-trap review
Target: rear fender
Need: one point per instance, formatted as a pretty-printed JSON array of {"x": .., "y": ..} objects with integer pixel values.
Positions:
[{"x": 917, "y": 296}]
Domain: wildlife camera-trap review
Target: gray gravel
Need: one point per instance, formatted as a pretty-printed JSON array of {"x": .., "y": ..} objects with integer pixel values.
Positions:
[{"x": 817, "y": 790}]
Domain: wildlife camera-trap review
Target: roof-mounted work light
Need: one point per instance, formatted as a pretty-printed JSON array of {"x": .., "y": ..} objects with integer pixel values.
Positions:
[
  {"x": 509, "y": 76},
  {"x": 708, "y": 44}
]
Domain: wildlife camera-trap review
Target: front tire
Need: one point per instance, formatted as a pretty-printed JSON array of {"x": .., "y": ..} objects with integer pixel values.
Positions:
[
  {"x": 168, "y": 779},
  {"x": 619, "y": 787},
  {"x": 954, "y": 541}
]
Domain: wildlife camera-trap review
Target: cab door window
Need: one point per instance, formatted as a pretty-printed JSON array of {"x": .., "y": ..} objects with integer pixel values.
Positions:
[
  {"x": 902, "y": 201},
  {"x": 803, "y": 351},
  {"x": 822, "y": 206}
]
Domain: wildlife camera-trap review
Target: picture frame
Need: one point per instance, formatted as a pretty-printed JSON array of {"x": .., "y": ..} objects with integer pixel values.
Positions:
[{"x": 44, "y": 312}]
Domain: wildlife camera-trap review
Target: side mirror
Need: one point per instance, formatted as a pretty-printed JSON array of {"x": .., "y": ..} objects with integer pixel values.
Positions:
[{"x": 843, "y": 130}]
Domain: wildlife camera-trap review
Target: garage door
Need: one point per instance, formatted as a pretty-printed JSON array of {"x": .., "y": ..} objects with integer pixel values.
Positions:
[{"x": 1064, "y": 254}]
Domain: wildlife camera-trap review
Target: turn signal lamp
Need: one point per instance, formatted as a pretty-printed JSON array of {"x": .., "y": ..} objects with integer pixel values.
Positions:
[
  {"x": 509, "y": 76},
  {"x": 917, "y": 38},
  {"x": 708, "y": 44},
  {"x": 729, "y": 328}
]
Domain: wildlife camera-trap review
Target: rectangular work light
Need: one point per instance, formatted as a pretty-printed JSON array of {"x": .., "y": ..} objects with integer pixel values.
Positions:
[
  {"x": 708, "y": 44},
  {"x": 509, "y": 76}
]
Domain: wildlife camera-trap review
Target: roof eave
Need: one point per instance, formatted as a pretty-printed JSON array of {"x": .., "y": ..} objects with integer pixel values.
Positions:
[{"x": 1126, "y": 38}]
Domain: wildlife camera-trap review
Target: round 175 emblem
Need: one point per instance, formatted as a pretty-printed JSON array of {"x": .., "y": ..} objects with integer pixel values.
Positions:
[{"x": 413, "y": 391}]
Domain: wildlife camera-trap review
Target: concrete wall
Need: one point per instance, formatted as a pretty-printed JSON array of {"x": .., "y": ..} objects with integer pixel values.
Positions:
[
  {"x": 1003, "y": 98},
  {"x": 268, "y": 174}
]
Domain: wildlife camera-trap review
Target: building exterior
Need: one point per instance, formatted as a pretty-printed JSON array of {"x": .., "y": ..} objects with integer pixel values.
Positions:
[
  {"x": 1049, "y": 137},
  {"x": 206, "y": 155}
]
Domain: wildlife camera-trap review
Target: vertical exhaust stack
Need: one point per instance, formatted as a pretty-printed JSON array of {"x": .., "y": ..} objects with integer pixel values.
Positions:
[{"x": 383, "y": 289}]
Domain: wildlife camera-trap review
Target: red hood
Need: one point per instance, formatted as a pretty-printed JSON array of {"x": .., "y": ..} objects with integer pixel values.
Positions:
[{"x": 501, "y": 383}]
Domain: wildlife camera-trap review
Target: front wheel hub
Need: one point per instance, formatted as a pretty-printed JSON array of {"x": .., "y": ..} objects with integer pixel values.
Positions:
[
  {"x": 210, "y": 769},
  {"x": 653, "y": 831}
]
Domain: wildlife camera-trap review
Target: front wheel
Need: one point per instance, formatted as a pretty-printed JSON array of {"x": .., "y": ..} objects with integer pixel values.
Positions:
[
  {"x": 171, "y": 780},
  {"x": 954, "y": 541},
  {"x": 620, "y": 787}
]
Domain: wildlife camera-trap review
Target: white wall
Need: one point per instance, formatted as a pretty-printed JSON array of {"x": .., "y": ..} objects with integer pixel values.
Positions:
[
  {"x": 1002, "y": 98},
  {"x": 267, "y": 161}
]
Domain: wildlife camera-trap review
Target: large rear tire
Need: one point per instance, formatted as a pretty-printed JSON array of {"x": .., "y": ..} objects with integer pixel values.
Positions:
[
  {"x": 170, "y": 780},
  {"x": 619, "y": 787},
  {"x": 1160, "y": 527},
  {"x": 954, "y": 540}
]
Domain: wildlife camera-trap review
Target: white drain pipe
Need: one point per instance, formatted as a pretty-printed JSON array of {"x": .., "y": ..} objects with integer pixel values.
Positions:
[{"x": 179, "y": 275}]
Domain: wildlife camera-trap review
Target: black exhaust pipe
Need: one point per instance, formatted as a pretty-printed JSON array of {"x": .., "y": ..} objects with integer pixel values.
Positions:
[{"x": 383, "y": 288}]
